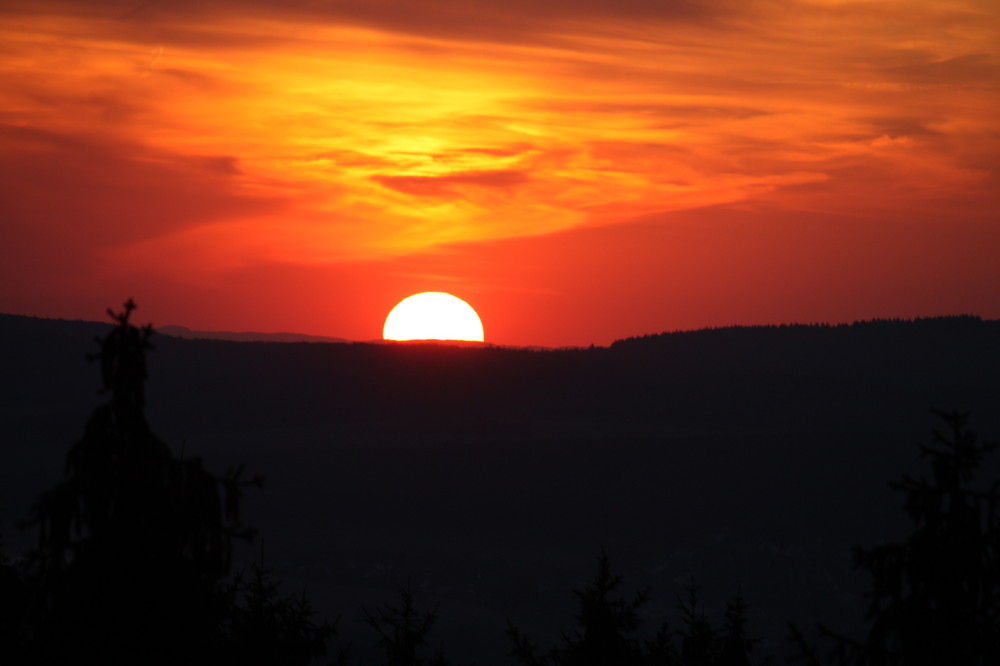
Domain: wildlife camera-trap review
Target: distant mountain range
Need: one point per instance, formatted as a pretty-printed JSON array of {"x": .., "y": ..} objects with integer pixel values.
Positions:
[
  {"x": 491, "y": 477},
  {"x": 248, "y": 336},
  {"x": 648, "y": 341}
]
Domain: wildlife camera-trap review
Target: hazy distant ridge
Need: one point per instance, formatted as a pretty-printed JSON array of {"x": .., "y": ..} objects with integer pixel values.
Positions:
[{"x": 243, "y": 336}]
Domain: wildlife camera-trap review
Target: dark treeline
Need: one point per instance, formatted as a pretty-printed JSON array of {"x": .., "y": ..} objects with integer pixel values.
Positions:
[
  {"x": 135, "y": 520},
  {"x": 900, "y": 349}
]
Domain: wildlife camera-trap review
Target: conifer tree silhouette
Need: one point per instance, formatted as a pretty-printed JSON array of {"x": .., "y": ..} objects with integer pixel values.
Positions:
[
  {"x": 606, "y": 623},
  {"x": 698, "y": 639},
  {"x": 403, "y": 631},
  {"x": 134, "y": 542},
  {"x": 935, "y": 598},
  {"x": 607, "y": 626},
  {"x": 264, "y": 628},
  {"x": 661, "y": 651},
  {"x": 735, "y": 646}
]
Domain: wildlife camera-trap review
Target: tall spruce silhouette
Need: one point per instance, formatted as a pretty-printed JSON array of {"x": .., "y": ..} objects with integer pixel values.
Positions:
[
  {"x": 935, "y": 597},
  {"x": 134, "y": 542}
]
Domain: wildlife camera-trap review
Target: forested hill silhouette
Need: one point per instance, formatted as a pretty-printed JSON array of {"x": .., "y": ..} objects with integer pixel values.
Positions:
[
  {"x": 664, "y": 380},
  {"x": 490, "y": 477},
  {"x": 881, "y": 344}
]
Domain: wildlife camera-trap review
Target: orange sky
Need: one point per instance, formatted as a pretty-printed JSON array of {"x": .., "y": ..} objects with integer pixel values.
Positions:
[{"x": 577, "y": 171}]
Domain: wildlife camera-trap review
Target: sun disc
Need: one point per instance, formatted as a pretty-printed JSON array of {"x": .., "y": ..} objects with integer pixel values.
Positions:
[{"x": 433, "y": 315}]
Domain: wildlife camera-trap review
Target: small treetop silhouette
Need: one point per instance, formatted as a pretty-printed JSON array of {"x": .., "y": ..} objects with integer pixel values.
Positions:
[
  {"x": 607, "y": 623},
  {"x": 266, "y": 628},
  {"x": 123, "y": 359},
  {"x": 403, "y": 631}
]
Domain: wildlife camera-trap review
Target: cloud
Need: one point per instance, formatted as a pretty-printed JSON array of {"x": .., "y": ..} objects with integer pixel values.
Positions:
[
  {"x": 452, "y": 185},
  {"x": 499, "y": 152},
  {"x": 97, "y": 191},
  {"x": 973, "y": 68},
  {"x": 502, "y": 21},
  {"x": 354, "y": 158}
]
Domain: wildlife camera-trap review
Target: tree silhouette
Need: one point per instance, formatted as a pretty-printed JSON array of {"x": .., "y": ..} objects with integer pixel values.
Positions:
[
  {"x": 607, "y": 623},
  {"x": 134, "y": 542},
  {"x": 698, "y": 640},
  {"x": 403, "y": 630},
  {"x": 264, "y": 628},
  {"x": 735, "y": 646},
  {"x": 703, "y": 645},
  {"x": 661, "y": 651},
  {"x": 935, "y": 598}
]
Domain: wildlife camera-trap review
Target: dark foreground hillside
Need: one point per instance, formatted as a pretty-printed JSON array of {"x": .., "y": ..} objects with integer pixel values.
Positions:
[{"x": 490, "y": 478}]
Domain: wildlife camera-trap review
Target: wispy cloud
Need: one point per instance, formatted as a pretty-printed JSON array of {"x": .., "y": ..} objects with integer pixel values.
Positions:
[{"x": 453, "y": 184}]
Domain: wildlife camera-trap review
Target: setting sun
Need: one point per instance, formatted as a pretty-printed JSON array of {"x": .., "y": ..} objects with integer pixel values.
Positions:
[{"x": 433, "y": 315}]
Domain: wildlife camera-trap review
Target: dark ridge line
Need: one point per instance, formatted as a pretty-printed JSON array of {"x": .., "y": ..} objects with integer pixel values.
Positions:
[{"x": 183, "y": 333}]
